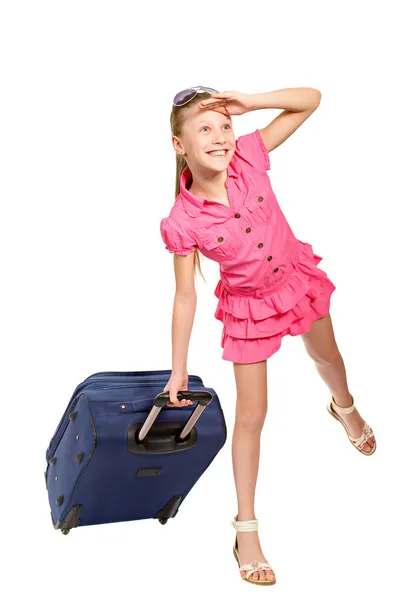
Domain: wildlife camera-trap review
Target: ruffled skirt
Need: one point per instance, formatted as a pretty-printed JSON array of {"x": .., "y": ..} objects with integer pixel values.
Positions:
[{"x": 253, "y": 327}]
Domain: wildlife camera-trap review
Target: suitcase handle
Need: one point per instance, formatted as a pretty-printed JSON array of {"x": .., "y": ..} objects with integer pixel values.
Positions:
[{"x": 202, "y": 397}]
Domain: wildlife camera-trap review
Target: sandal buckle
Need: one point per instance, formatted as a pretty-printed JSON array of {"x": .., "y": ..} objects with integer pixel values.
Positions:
[{"x": 255, "y": 563}]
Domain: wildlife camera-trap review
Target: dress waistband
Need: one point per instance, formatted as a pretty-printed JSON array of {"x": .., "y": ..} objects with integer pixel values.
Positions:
[{"x": 262, "y": 290}]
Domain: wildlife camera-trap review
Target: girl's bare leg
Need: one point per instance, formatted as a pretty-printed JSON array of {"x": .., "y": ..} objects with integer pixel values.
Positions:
[
  {"x": 321, "y": 345},
  {"x": 251, "y": 410}
]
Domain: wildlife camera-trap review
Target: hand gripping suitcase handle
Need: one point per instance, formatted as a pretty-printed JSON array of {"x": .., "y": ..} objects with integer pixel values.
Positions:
[{"x": 202, "y": 397}]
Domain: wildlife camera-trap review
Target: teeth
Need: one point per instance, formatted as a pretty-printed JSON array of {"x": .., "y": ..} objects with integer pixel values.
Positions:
[{"x": 218, "y": 153}]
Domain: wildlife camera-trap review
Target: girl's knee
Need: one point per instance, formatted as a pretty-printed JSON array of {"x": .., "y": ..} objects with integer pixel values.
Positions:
[
  {"x": 251, "y": 420},
  {"x": 331, "y": 358}
]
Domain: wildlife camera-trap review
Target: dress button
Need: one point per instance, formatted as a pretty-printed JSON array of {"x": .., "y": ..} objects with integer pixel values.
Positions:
[
  {"x": 220, "y": 239},
  {"x": 260, "y": 198},
  {"x": 276, "y": 269},
  {"x": 237, "y": 216},
  {"x": 260, "y": 245},
  {"x": 269, "y": 257},
  {"x": 248, "y": 229}
]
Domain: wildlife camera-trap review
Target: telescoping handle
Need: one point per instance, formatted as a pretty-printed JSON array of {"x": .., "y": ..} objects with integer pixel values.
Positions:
[{"x": 202, "y": 397}]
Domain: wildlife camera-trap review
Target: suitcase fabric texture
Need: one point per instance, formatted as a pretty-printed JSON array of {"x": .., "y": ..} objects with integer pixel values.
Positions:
[{"x": 101, "y": 468}]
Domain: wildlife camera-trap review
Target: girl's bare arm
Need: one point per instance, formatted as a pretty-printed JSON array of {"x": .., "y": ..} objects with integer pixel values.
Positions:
[
  {"x": 184, "y": 309},
  {"x": 298, "y": 105}
]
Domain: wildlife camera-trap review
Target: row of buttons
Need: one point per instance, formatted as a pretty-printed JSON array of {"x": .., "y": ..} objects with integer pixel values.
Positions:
[{"x": 248, "y": 229}]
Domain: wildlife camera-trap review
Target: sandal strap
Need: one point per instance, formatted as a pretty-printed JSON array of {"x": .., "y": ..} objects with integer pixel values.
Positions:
[
  {"x": 366, "y": 434},
  {"x": 254, "y": 566},
  {"x": 367, "y": 431},
  {"x": 345, "y": 410},
  {"x": 251, "y": 525}
]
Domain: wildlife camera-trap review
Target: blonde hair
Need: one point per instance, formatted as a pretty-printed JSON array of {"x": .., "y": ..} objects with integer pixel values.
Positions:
[{"x": 177, "y": 120}]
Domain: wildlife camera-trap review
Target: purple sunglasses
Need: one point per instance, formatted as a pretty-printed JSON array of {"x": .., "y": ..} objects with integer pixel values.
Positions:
[{"x": 185, "y": 96}]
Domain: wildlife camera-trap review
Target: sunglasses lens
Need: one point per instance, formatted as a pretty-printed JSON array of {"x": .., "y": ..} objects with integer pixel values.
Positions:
[{"x": 184, "y": 96}]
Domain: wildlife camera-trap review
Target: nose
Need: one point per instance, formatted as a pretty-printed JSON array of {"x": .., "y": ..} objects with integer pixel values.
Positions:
[{"x": 220, "y": 140}]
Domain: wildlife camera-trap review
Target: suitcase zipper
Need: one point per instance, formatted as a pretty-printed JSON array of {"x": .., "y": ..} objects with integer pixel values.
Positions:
[
  {"x": 106, "y": 379},
  {"x": 106, "y": 374}
]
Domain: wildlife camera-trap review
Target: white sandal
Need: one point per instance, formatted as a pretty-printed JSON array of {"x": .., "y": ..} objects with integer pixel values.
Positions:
[
  {"x": 366, "y": 433},
  {"x": 255, "y": 564}
]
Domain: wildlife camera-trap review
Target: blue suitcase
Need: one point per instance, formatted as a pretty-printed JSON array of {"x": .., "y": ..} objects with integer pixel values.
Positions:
[{"x": 111, "y": 459}]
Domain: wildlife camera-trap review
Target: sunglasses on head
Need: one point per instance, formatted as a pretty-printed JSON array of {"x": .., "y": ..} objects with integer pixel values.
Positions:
[{"x": 185, "y": 96}]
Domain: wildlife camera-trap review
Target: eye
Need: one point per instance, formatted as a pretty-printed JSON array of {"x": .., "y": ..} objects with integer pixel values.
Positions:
[{"x": 206, "y": 126}]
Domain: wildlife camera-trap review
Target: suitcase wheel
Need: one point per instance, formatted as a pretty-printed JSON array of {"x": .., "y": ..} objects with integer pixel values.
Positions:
[
  {"x": 163, "y": 521},
  {"x": 65, "y": 531}
]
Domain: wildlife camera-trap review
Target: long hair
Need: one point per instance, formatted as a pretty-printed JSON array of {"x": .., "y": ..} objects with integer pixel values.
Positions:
[{"x": 177, "y": 119}]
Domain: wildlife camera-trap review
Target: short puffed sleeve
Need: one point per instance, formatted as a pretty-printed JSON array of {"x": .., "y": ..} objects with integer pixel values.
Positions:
[
  {"x": 176, "y": 238},
  {"x": 251, "y": 148}
]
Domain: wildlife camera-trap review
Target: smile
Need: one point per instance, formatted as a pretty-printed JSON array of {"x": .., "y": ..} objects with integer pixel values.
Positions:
[{"x": 218, "y": 152}]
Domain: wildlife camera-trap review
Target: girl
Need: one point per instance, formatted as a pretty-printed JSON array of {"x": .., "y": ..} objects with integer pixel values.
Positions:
[{"x": 269, "y": 286}]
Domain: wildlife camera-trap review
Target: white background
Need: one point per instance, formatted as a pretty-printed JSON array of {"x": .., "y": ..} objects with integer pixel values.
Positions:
[{"x": 88, "y": 173}]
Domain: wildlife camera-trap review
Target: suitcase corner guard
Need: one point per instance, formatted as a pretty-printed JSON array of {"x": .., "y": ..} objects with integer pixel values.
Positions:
[{"x": 72, "y": 519}]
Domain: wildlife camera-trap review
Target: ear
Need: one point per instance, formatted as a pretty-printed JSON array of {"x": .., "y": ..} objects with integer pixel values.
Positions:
[{"x": 177, "y": 144}]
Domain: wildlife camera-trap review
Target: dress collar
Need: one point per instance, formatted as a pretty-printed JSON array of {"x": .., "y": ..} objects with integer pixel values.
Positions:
[{"x": 194, "y": 204}]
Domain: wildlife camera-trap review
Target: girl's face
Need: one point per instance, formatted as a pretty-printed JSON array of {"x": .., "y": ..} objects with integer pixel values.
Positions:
[{"x": 204, "y": 131}]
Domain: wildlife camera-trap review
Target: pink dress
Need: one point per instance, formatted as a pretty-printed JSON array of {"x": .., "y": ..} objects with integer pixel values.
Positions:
[{"x": 270, "y": 285}]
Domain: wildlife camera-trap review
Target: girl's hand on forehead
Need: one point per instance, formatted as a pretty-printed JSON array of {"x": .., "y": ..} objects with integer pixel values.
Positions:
[{"x": 228, "y": 103}]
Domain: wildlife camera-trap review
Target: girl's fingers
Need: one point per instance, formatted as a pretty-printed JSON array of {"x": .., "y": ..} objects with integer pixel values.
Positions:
[
  {"x": 184, "y": 402},
  {"x": 218, "y": 107},
  {"x": 213, "y": 102},
  {"x": 221, "y": 95}
]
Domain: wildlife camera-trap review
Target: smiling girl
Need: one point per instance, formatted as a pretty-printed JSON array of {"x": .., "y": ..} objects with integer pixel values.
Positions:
[{"x": 270, "y": 285}]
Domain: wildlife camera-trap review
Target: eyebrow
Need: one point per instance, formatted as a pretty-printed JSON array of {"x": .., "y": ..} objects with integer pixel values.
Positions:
[{"x": 206, "y": 121}]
